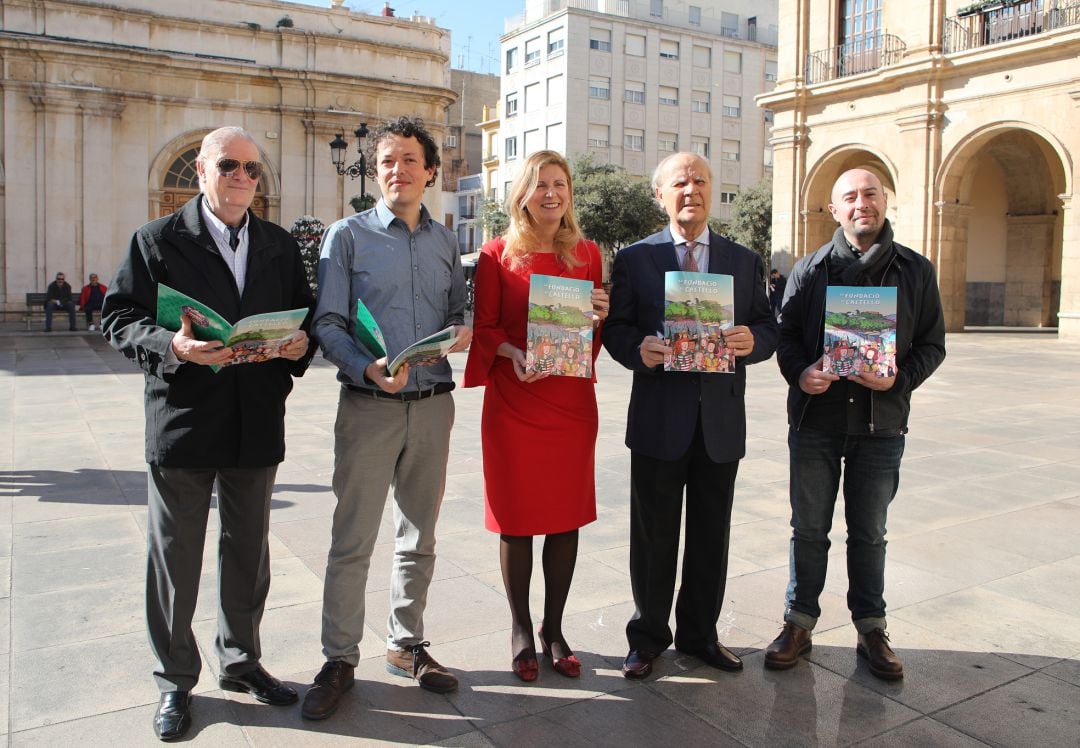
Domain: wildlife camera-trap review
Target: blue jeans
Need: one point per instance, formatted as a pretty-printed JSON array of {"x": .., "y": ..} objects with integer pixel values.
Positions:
[{"x": 871, "y": 470}]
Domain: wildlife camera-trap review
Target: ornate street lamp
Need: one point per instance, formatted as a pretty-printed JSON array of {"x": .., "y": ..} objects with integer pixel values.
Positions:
[{"x": 359, "y": 168}]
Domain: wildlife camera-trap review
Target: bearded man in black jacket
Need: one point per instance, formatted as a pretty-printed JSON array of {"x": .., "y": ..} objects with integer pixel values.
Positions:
[{"x": 854, "y": 424}]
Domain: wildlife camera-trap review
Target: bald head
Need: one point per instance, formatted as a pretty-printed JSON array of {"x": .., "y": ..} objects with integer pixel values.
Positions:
[
  {"x": 683, "y": 185},
  {"x": 858, "y": 205}
]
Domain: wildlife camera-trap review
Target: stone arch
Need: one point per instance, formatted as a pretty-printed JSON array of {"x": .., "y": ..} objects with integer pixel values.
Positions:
[
  {"x": 1001, "y": 195},
  {"x": 818, "y": 223},
  {"x": 166, "y": 199}
]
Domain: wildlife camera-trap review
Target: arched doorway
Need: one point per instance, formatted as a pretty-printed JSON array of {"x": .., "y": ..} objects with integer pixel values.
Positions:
[
  {"x": 1000, "y": 230},
  {"x": 181, "y": 183},
  {"x": 818, "y": 223}
]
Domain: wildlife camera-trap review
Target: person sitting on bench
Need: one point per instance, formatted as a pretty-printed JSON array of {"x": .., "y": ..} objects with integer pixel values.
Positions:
[
  {"x": 58, "y": 296},
  {"x": 93, "y": 294}
]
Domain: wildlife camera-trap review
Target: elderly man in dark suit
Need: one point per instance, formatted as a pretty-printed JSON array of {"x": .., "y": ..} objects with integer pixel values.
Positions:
[
  {"x": 205, "y": 429},
  {"x": 684, "y": 430}
]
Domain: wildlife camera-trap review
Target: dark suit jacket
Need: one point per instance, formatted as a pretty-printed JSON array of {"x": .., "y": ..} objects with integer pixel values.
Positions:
[
  {"x": 664, "y": 405},
  {"x": 194, "y": 417}
]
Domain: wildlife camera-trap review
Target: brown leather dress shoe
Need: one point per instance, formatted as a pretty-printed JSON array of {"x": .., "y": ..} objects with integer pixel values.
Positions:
[
  {"x": 417, "y": 663},
  {"x": 718, "y": 656},
  {"x": 786, "y": 649},
  {"x": 637, "y": 665},
  {"x": 335, "y": 678},
  {"x": 884, "y": 663}
]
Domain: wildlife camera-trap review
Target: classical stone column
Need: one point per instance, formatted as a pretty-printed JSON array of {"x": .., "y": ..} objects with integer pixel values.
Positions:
[
  {"x": 950, "y": 261},
  {"x": 1027, "y": 264},
  {"x": 1069, "y": 309}
]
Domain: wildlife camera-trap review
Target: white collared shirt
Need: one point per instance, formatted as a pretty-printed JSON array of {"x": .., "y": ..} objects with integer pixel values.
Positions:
[{"x": 236, "y": 260}]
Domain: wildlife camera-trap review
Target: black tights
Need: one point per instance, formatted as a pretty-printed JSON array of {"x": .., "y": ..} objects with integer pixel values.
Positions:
[{"x": 515, "y": 556}]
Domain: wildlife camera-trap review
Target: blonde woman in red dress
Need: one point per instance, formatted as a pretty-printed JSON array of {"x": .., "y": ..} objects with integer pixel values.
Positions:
[{"x": 538, "y": 432}]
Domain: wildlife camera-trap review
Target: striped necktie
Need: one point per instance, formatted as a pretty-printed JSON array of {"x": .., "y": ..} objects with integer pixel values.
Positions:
[{"x": 689, "y": 264}]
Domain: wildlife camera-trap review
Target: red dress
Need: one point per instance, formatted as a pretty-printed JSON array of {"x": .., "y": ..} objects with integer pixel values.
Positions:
[{"x": 538, "y": 439}]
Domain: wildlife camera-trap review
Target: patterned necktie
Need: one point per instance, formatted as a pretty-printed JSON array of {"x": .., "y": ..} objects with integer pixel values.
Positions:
[
  {"x": 234, "y": 236},
  {"x": 689, "y": 264}
]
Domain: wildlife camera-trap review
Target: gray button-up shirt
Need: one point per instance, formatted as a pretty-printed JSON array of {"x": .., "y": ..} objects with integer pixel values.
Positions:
[{"x": 411, "y": 282}]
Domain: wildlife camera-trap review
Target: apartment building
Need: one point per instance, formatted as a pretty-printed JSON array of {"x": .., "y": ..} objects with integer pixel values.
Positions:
[
  {"x": 970, "y": 114},
  {"x": 629, "y": 82}
]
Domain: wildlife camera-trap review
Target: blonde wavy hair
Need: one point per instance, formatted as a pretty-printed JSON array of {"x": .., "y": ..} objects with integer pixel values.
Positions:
[{"x": 521, "y": 237}]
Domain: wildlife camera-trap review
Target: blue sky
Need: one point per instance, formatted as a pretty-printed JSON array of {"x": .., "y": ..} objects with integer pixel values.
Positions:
[{"x": 475, "y": 26}]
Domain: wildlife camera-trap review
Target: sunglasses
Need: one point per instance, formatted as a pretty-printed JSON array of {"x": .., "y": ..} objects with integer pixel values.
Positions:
[{"x": 228, "y": 166}]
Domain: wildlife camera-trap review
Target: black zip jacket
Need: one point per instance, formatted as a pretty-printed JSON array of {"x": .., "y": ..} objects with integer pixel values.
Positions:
[{"x": 920, "y": 332}]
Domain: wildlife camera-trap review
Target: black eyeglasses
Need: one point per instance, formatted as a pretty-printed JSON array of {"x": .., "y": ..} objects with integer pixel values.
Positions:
[{"x": 227, "y": 167}]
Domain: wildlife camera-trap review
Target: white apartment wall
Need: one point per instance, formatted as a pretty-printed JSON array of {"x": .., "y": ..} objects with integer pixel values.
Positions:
[{"x": 578, "y": 64}]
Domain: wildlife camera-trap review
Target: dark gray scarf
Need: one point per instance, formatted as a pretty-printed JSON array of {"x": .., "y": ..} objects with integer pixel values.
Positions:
[{"x": 867, "y": 269}]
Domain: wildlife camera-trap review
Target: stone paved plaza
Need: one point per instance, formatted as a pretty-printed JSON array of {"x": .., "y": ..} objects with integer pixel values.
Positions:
[{"x": 983, "y": 573}]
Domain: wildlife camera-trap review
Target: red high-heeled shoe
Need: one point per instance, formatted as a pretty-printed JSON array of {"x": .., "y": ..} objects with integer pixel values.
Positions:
[
  {"x": 525, "y": 666},
  {"x": 569, "y": 666}
]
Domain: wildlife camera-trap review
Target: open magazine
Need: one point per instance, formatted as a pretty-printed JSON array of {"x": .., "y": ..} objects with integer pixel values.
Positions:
[
  {"x": 423, "y": 352},
  {"x": 253, "y": 339},
  {"x": 559, "y": 336},
  {"x": 860, "y": 331},
  {"x": 698, "y": 307}
]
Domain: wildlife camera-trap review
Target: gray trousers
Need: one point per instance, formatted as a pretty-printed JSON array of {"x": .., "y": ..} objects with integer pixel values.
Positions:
[
  {"x": 179, "y": 504},
  {"x": 378, "y": 444}
]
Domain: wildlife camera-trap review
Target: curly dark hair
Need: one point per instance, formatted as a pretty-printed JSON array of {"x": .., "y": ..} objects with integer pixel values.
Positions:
[{"x": 410, "y": 127}]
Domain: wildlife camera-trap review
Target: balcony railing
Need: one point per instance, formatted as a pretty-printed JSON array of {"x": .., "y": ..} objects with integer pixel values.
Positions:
[
  {"x": 857, "y": 56},
  {"x": 1001, "y": 22}
]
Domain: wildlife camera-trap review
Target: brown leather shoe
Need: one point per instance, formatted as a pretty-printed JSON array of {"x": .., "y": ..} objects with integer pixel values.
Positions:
[
  {"x": 417, "y": 663},
  {"x": 637, "y": 665},
  {"x": 786, "y": 649},
  {"x": 335, "y": 678},
  {"x": 874, "y": 648}
]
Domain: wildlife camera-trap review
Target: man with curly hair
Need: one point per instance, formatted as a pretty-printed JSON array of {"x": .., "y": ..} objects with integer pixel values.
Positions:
[{"x": 390, "y": 430}]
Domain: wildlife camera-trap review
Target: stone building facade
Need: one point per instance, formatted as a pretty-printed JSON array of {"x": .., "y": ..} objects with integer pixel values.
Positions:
[
  {"x": 104, "y": 106},
  {"x": 969, "y": 114}
]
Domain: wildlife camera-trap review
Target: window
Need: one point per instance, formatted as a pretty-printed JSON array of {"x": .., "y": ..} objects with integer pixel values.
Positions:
[
  {"x": 532, "y": 51},
  {"x": 702, "y": 56},
  {"x": 770, "y": 70},
  {"x": 556, "y": 90},
  {"x": 556, "y": 41},
  {"x": 635, "y": 45},
  {"x": 506, "y": 188},
  {"x": 511, "y": 59},
  {"x": 634, "y": 140},
  {"x": 668, "y": 95},
  {"x": 635, "y": 93},
  {"x": 656, "y": 8},
  {"x": 534, "y": 98},
  {"x": 700, "y": 147},
  {"x": 695, "y": 15},
  {"x": 669, "y": 50},
  {"x": 732, "y": 106},
  {"x": 532, "y": 141},
  {"x": 729, "y": 24},
  {"x": 466, "y": 206},
  {"x": 600, "y": 40},
  {"x": 511, "y": 104},
  {"x": 768, "y": 116},
  {"x": 729, "y": 150},
  {"x": 510, "y": 148},
  {"x": 451, "y": 141},
  {"x": 751, "y": 28},
  {"x": 555, "y": 137},
  {"x": 599, "y": 88},
  {"x": 727, "y": 198},
  {"x": 767, "y": 161},
  {"x": 733, "y": 62},
  {"x": 667, "y": 141},
  {"x": 599, "y": 136},
  {"x": 699, "y": 102}
]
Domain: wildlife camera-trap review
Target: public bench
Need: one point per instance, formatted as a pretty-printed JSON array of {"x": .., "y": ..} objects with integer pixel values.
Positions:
[{"x": 35, "y": 309}]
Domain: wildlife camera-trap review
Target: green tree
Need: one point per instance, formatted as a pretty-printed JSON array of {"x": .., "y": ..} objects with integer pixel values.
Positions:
[
  {"x": 613, "y": 208},
  {"x": 751, "y": 219},
  {"x": 308, "y": 232},
  {"x": 493, "y": 218}
]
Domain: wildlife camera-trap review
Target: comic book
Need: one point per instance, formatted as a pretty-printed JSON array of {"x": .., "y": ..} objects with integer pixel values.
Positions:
[
  {"x": 559, "y": 337},
  {"x": 253, "y": 339},
  {"x": 423, "y": 352},
  {"x": 860, "y": 331},
  {"x": 698, "y": 308}
]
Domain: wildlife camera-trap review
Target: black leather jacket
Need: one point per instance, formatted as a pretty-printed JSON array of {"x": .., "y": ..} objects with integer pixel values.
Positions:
[{"x": 920, "y": 333}]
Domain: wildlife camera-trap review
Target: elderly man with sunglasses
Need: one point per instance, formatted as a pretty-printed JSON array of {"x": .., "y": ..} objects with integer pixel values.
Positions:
[{"x": 207, "y": 429}]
